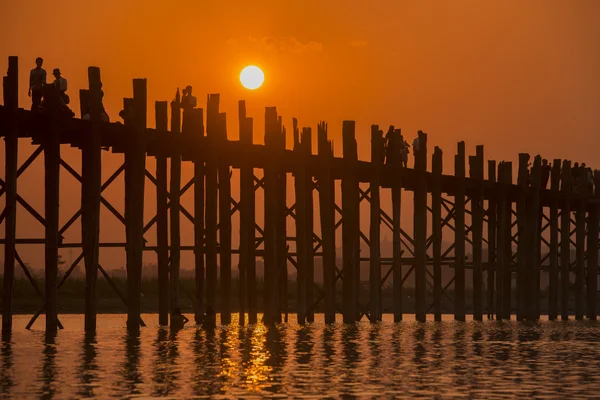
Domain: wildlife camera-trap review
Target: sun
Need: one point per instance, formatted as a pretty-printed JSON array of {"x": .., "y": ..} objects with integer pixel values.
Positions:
[{"x": 252, "y": 77}]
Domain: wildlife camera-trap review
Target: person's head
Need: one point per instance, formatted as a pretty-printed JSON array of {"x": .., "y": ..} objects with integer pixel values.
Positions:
[
  {"x": 391, "y": 129},
  {"x": 38, "y": 62},
  {"x": 188, "y": 90},
  {"x": 545, "y": 162},
  {"x": 56, "y": 73},
  {"x": 582, "y": 165},
  {"x": 576, "y": 165}
]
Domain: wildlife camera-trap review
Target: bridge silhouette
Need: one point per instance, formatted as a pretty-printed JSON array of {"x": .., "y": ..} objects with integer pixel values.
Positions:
[{"x": 511, "y": 230}]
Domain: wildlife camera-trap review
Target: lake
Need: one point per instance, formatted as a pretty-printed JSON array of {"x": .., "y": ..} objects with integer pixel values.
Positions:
[{"x": 432, "y": 360}]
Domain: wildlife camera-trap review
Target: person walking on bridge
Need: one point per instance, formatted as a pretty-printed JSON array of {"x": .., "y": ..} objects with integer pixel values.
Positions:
[
  {"x": 37, "y": 80},
  {"x": 61, "y": 85}
]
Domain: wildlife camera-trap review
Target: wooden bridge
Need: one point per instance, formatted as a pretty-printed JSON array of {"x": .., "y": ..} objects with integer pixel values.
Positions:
[{"x": 526, "y": 229}]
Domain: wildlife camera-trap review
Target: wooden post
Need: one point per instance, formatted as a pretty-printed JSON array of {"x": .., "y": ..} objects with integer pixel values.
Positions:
[
  {"x": 491, "y": 238},
  {"x": 553, "y": 272},
  {"x": 271, "y": 289},
  {"x": 580, "y": 218},
  {"x": 162, "y": 228},
  {"x": 175, "y": 187},
  {"x": 420, "y": 228},
  {"x": 592, "y": 251},
  {"x": 224, "y": 228},
  {"x": 51, "y": 144},
  {"x": 436, "y": 230},
  {"x": 11, "y": 140},
  {"x": 565, "y": 239},
  {"x": 247, "y": 217},
  {"x": 476, "y": 172},
  {"x": 282, "y": 272},
  {"x": 374, "y": 234},
  {"x": 503, "y": 281},
  {"x": 531, "y": 283},
  {"x": 350, "y": 218},
  {"x": 212, "y": 132},
  {"x": 301, "y": 228},
  {"x": 310, "y": 255},
  {"x": 91, "y": 182},
  {"x": 327, "y": 214},
  {"x": 459, "y": 234},
  {"x": 135, "y": 168},
  {"x": 522, "y": 242},
  {"x": 396, "y": 228},
  {"x": 198, "y": 131}
]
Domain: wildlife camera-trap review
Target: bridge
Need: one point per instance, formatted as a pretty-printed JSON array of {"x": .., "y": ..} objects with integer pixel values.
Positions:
[{"x": 511, "y": 231}]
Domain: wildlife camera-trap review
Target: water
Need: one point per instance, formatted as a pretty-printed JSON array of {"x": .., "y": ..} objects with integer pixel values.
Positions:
[{"x": 432, "y": 360}]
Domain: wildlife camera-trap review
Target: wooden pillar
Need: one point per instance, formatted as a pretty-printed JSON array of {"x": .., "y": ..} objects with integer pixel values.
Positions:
[
  {"x": 436, "y": 230},
  {"x": 459, "y": 234},
  {"x": 420, "y": 228},
  {"x": 247, "y": 218},
  {"x": 282, "y": 251},
  {"x": 375, "y": 228},
  {"x": 476, "y": 172},
  {"x": 212, "y": 132},
  {"x": 580, "y": 218},
  {"x": 224, "y": 228},
  {"x": 11, "y": 140},
  {"x": 396, "y": 243},
  {"x": 198, "y": 131},
  {"x": 522, "y": 242},
  {"x": 91, "y": 182},
  {"x": 300, "y": 182},
  {"x": 553, "y": 271},
  {"x": 592, "y": 251},
  {"x": 491, "y": 239},
  {"x": 531, "y": 283},
  {"x": 310, "y": 255},
  {"x": 175, "y": 188},
  {"x": 271, "y": 288},
  {"x": 327, "y": 214},
  {"x": 565, "y": 239},
  {"x": 504, "y": 279},
  {"x": 350, "y": 223},
  {"x": 162, "y": 217},
  {"x": 135, "y": 168}
]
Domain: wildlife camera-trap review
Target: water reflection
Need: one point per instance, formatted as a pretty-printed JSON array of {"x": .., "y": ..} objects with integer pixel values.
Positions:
[
  {"x": 6, "y": 372},
  {"x": 88, "y": 370},
  {"x": 165, "y": 373},
  {"x": 49, "y": 371},
  {"x": 132, "y": 376}
]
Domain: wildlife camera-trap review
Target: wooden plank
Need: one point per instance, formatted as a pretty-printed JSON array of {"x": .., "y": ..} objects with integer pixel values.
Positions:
[
  {"x": 553, "y": 271},
  {"x": 224, "y": 228},
  {"x": 135, "y": 168},
  {"x": 162, "y": 228},
  {"x": 309, "y": 213},
  {"x": 436, "y": 231},
  {"x": 196, "y": 129},
  {"x": 91, "y": 182},
  {"x": 212, "y": 132},
  {"x": 375, "y": 225},
  {"x": 522, "y": 242},
  {"x": 174, "y": 210},
  {"x": 592, "y": 252},
  {"x": 420, "y": 228},
  {"x": 11, "y": 140},
  {"x": 247, "y": 218},
  {"x": 476, "y": 172},
  {"x": 492, "y": 227},
  {"x": 350, "y": 218},
  {"x": 565, "y": 239},
  {"x": 327, "y": 217},
  {"x": 397, "y": 274},
  {"x": 459, "y": 234},
  {"x": 300, "y": 183}
]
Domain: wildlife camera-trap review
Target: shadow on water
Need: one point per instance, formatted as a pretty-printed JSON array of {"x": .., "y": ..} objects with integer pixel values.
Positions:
[
  {"x": 88, "y": 370},
  {"x": 49, "y": 370},
  {"x": 6, "y": 372}
]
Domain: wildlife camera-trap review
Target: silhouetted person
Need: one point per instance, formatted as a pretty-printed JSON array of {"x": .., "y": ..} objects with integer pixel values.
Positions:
[
  {"x": 188, "y": 101},
  {"x": 210, "y": 318},
  {"x": 545, "y": 173},
  {"x": 37, "y": 80},
  {"x": 61, "y": 85},
  {"x": 575, "y": 177},
  {"x": 178, "y": 320},
  {"x": 390, "y": 146},
  {"x": 404, "y": 152}
]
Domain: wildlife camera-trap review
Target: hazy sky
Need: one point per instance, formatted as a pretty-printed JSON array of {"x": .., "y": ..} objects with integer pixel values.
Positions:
[{"x": 516, "y": 76}]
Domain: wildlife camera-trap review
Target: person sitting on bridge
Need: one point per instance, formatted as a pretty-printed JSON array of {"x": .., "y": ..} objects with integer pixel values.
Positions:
[
  {"x": 545, "y": 173},
  {"x": 61, "y": 85},
  {"x": 188, "y": 101},
  {"x": 178, "y": 320},
  {"x": 37, "y": 80}
]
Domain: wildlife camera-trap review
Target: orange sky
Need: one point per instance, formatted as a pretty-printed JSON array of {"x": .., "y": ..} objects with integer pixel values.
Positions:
[{"x": 515, "y": 76}]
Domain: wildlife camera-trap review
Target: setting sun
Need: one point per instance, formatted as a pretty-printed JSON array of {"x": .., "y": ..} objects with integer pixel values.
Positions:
[{"x": 252, "y": 77}]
